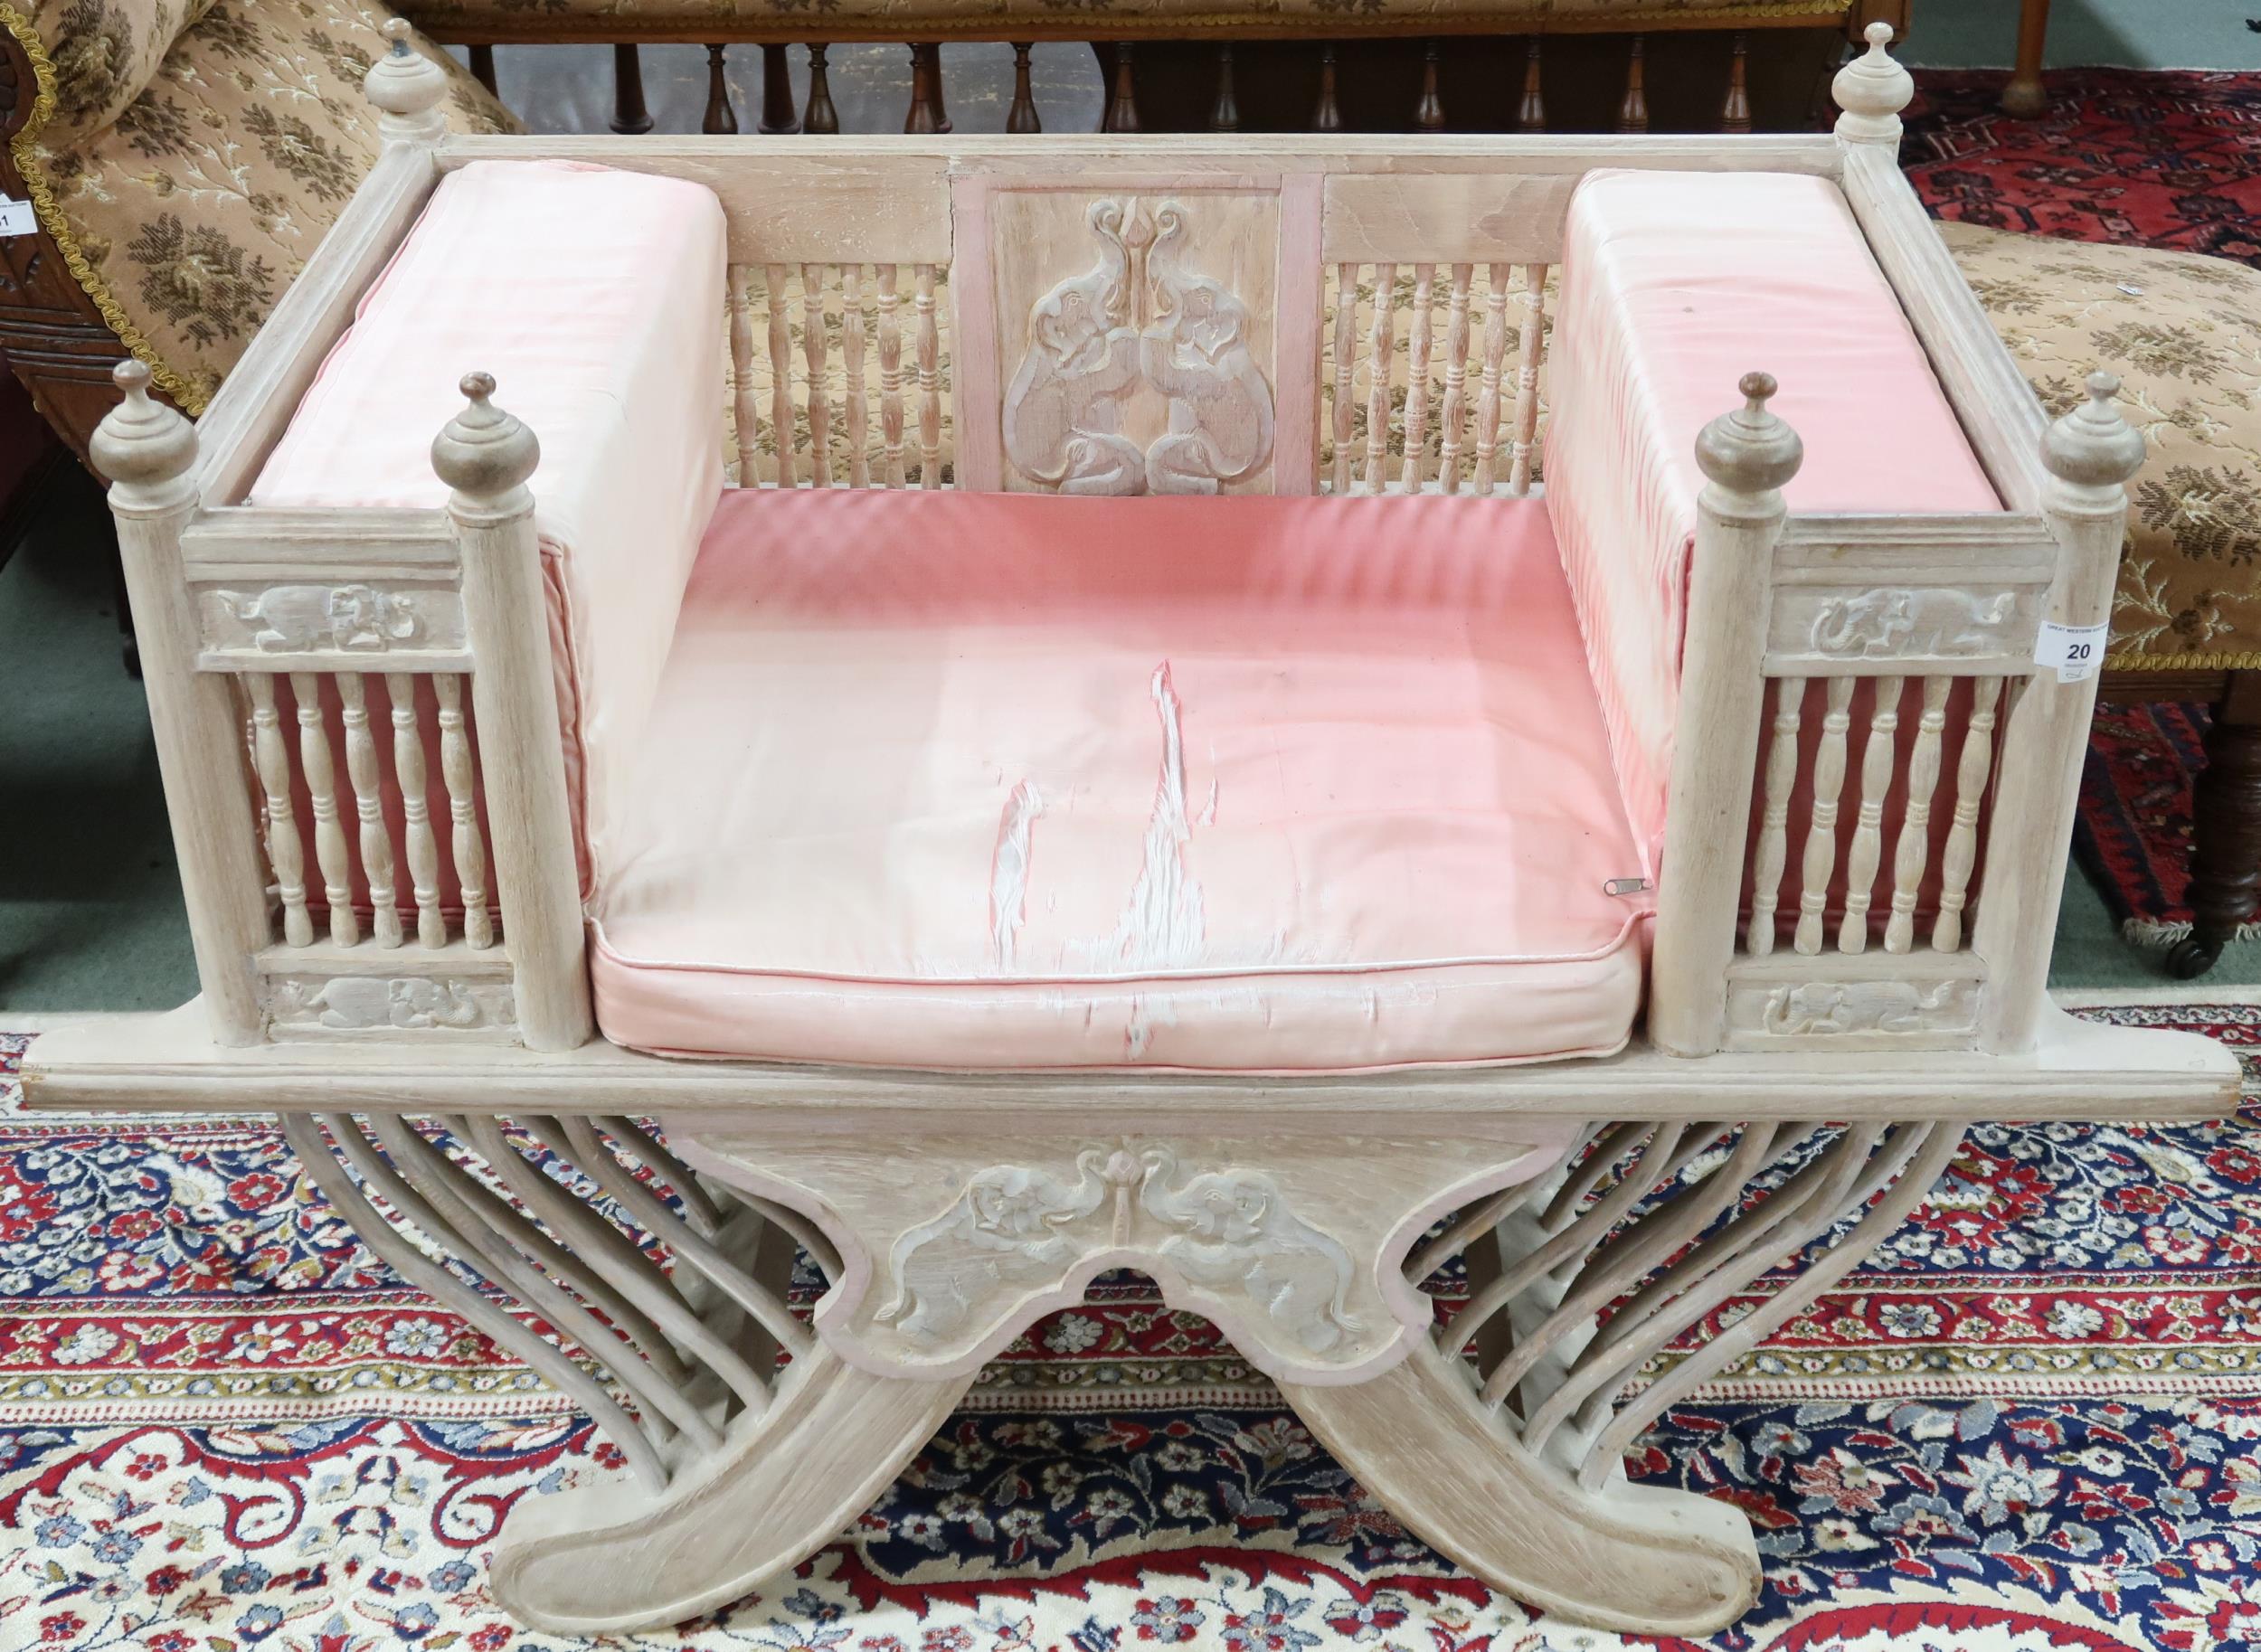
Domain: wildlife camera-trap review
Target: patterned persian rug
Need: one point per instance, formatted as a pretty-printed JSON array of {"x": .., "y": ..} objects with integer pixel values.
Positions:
[
  {"x": 2149, "y": 157},
  {"x": 2032, "y": 1422}
]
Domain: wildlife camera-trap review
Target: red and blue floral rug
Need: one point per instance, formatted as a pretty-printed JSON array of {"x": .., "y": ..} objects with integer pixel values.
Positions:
[{"x": 2032, "y": 1422}]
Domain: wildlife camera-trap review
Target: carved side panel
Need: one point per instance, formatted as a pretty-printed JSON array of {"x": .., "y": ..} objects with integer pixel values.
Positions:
[
  {"x": 949, "y": 1250},
  {"x": 259, "y": 621},
  {"x": 369, "y": 1006},
  {"x": 1871, "y": 1014},
  {"x": 1135, "y": 339},
  {"x": 1817, "y": 627}
]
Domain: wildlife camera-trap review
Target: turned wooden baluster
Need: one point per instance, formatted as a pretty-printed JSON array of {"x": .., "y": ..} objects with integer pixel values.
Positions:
[
  {"x": 1532, "y": 347},
  {"x": 720, "y": 119},
  {"x": 1632, "y": 109},
  {"x": 482, "y": 66},
  {"x": 629, "y": 115},
  {"x": 467, "y": 847},
  {"x": 315, "y": 767},
  {"x": 1961, "y": 853},
  {"x": 929, "y": 360},
  {"x": 422, "y": 849},
  {"x": 818, "y": 366},
  {"x": 376, "y": 842},
  {"x": 823, "y": 118},
  {"x": 1820, "y": 851},
  {"x": 777, "y": 94},
  {"x": 1346, "y": 363},
  {"x": 1378, "y": 366},
  {"x": 925, "y": 115},
  {"x": 1225, "y": 108},
  {"x": 1495, "y": 358},
  {"x": 1877, "y": 754},
  {"x": 271, "y": 756},
  {"x": 1022, "y": 116},
  {"x": 1417, "y": 343},
  {"x": 852, "y": 344},
  {"x": 890, "y": 377},
  {"x": 1773, "y": 832},
  {"x": 1429, "y": 110},
  {"x": 1913, "y": 851},
  {"x": 1531, "y": 115},
  {"x": 780, "y": 373},
  {"x": 742, "y": 404},
  {"x": 1455, "y": 379},
  {"x": 1327, "y": 113},
  {"x": 1734, "y": 115},
  {"x": 1121, "y": 114}
]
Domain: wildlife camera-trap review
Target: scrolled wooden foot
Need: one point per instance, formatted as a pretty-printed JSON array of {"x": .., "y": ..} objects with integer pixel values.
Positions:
[
  {"x": 1632, "y": 1558},
  {"x": 598, "y": 1560}
]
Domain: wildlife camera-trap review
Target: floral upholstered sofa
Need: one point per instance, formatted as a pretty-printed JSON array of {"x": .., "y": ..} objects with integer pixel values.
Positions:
[{"x": 184, "y": 158}]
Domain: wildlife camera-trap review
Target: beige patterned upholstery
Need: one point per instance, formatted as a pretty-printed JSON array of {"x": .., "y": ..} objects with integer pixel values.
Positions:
[
  {"x": 2183, "y": 331},
  {"x": 194, "y": 153}
]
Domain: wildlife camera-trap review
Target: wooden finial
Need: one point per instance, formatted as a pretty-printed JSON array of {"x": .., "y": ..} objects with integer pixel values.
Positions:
[
  {"x": 1749, "y": 450},
  {"x": 2093, "y": 451},
  {"x": 1872, "y": 91},
  {"x": 141, "y": 445},
  {"x": 484, "y": 453},
  {"x": 407, "y": 87}
]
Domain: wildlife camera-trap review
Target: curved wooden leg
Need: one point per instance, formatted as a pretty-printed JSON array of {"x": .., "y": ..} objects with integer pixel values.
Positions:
[
  {"x": 604, "y": 1560},
  {"x": 1634, "y": 1558},
  {"x": 2025, "y": 96}
]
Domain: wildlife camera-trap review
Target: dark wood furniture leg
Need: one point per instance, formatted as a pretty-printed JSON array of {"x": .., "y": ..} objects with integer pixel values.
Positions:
[
  {"x": 630, "y": 115},
  {"x": 2225, "y": 839},
  {"x": 777, "y": 115},
  {"x": 2024, "y": 95}
]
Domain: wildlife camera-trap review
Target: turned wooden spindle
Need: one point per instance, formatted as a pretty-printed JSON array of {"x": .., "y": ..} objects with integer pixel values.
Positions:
[
  {"x": 1123, "y": 98},
  {"x": 1495, "y": 359},
  {"x": 375, "y": 838},
  {"x": 466, "y": 847},
  {"x": 773, "y": 280},
  {"x": 745, "y": 413},
  {"x": 1773, "y": 853},
  {"x": 1378, "y": 353},
  {"x": 421, "y": 848},
  {"x": 631, "y": 116},
  {"x": 1960, "y": 857},
  {"x": 1417, "y": 352},
  {"x": 1327, "y": 113},
  {"x": 719, "y": 120},
  {"x": 408, "y": 89},
  {"x": 1876, "y": 755},
  {"x": 1346, "y": 363},
  {"x": 1455, "y": 379},
  {"x": 319, "y": 774},
  {"x": 1913, "y": 853},
  {"x": 1819, "y": 863},
  {"x": 1735, "y": 115},
  {"x": 1632, "y": 109},
  {"x": 852, "y": 348},
  {"x": 930, "y": 358},
  {"x": 818, "y": 367},
  {"x": 1531, "y": 115},
  {"x": 1022, "y": 116},
  {"x": 821, "y": 117},
  {"x": 777, "y": 115},
  {"x": 924, "y": 118},
  {"x": 1531, "y": 350},
  {"x": 890, "y": 377},
  {"x": 1429, "y": 110},
  {"x": 270, "y": 759},
  {"x": 1225, "y": 108}
]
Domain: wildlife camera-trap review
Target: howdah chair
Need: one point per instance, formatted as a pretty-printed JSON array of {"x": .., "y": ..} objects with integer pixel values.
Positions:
[{"x": 1050, "y": 709}]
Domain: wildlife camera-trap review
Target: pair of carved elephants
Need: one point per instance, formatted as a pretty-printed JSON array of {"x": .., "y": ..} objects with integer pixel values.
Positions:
[{"x": 1139, "y": 323}]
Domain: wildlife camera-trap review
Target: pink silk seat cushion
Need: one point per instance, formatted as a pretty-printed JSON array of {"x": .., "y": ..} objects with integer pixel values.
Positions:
[
  {"x": 1222, "y": 784},
  {"x": 594, "y": 297},
  {"x": 1674, "y": 286}
]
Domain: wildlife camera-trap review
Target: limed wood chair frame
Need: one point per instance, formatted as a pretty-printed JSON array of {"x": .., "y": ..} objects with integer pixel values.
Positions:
[{"x": 947, "y": 1211}]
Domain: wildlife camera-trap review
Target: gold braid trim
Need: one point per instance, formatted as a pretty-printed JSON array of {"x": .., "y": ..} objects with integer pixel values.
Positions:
[
  {"x": 190, "y": 397},
  {"x": 2181, "y": 662}
]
